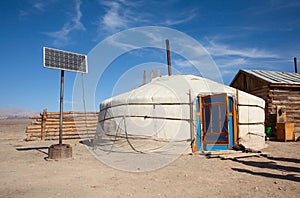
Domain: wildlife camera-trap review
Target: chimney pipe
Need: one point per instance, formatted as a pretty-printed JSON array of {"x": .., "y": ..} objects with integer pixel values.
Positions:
[
  {"x": 296, "y": 65},
  {"x": 168, "y": 57},
  {"x": 144, "y": 77}
]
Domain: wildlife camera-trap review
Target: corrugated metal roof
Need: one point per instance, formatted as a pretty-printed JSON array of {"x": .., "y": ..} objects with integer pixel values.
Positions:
[{"x": 276, "y": 77}]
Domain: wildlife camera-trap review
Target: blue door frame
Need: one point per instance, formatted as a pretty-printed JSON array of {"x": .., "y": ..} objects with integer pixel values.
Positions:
[{"x": 215, "y": 124}]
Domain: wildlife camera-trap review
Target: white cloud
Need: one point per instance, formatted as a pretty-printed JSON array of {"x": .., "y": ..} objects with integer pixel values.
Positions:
[
  {"x": 113, "y": 41},
  {"x": 22, "y": 13},
  {"x": 183, "y": 18},
  {"x": 231, "y": 62},
  {"x": 62, "y": 36},
  {"x": 112, "y": 20},
  {"x": 35, "y": 6},
  {"x": 230, "y": 59},
  {"x": 182, "y": 63},
  {"x": 217, "y": 49},
  {"x": 39, "y": 5},
  {"x": 122, "y": 14}
]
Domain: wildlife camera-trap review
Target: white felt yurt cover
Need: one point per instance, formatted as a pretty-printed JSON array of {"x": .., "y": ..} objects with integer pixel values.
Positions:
[{"x": 159, "y": 111}]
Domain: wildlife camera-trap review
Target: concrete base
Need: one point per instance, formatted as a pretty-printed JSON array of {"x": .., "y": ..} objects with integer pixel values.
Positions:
[{"x": 60, "y": 151}]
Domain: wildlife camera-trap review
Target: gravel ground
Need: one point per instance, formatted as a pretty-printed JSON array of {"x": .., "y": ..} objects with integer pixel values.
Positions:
[{"x": 26, "y": 172}]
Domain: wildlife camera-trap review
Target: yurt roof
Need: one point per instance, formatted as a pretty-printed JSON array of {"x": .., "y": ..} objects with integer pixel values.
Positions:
[{"x": 171, "y": 89}]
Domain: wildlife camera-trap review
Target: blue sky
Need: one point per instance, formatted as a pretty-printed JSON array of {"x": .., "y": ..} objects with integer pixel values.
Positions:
[{"x": 237, "y": 34}]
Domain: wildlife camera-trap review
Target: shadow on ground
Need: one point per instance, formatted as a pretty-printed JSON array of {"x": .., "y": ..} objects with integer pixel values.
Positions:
[
  {"x": 40, "y": 149},
  {"x": 287, "y": 172}
]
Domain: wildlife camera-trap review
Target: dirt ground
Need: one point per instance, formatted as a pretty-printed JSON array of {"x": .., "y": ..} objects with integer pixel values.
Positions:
[{"x": 24, "y": 172}]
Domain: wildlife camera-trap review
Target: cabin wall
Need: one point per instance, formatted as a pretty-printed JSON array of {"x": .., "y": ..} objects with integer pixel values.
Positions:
[
  {"x": 288, "y": 98},
  {"x": 285, "y": 96}
]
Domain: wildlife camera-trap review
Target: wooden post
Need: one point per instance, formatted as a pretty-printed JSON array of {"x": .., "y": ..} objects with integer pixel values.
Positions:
[
  {"x": 236, "y": 118},
  {"x": 152, "y": 75},
  {"x": 144, "y": 77},
  {"x": 201, "y": 123},
  {"x": 43, "y": 124},
  {"x": 191, "y": 118},
  {"x": 227, "y": 122},
  {"x": 195, "y": 144}
]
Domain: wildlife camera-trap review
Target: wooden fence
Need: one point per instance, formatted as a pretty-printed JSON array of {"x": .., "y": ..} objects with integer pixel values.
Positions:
[{"x": 76, "y": 125}]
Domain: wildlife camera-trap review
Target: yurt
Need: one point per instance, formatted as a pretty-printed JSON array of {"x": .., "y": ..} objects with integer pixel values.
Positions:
[{"x": 203, "y": 114}]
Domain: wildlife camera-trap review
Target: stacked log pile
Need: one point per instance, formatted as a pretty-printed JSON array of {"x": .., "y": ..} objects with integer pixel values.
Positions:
[{"x": 76, "y": 125}]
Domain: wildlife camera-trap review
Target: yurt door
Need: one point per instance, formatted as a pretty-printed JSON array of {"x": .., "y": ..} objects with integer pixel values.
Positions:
[{"x": 216, "y": 122}]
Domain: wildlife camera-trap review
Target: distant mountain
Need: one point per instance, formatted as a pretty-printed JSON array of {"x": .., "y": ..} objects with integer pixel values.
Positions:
[{"x": 16, "y": 114}]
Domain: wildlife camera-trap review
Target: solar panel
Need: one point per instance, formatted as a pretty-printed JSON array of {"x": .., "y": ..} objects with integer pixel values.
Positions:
[{"x": 63, "y": 60}]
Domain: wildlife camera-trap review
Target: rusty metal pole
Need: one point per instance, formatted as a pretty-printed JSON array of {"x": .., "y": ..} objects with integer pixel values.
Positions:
[
  {"x": 144, "y": 77},
  {"x": 296, "y": 65},
  {"x": 61, "y": 105},
  {"x": 168, "y": 57},
  {"x": 60, "y": 151}
]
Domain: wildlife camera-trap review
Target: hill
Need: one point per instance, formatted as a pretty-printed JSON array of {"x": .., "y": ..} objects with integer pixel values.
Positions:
[{"x": 14, "y": 113}]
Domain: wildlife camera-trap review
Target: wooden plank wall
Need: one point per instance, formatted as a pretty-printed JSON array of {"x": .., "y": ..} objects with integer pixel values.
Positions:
[
  {"x": 287, "y": 97},
  {"x": 76, "y": 125}
]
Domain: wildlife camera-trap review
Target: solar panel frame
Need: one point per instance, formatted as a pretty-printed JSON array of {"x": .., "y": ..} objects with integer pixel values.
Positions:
[{"x": 64, "y": 60}]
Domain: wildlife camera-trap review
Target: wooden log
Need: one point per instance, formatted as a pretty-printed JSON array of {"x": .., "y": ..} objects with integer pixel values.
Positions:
[
  {"x": 57, "y": 118},
  {"x": 64, "y": 130},
  {"x": 239, "y": 155},
  {"x": 68, "y": 123},
  {"x": 64, "y": 135},
  {"x": 35, "y": 117},
  {"x": 43, "y": 124},
  {"x": 73, "y": 113},
  {"x": 34, "y": 127},
  {"x": 70, "y": 129},
  {"x": 70, "y": 138},
  {"x": 56, "y": 138},
  {"x": 73, "y": 126},
  {"x": 284, "y": 102},
  {"x": 69, "y": 133},
  {"x": 72, "y": 122},
  {"x": 67, "y": 120},
  {"x": 35, "y": 123}
]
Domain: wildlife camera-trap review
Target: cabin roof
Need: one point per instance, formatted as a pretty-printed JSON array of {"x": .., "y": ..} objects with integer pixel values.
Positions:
[{"x": 273, "y": 77}]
